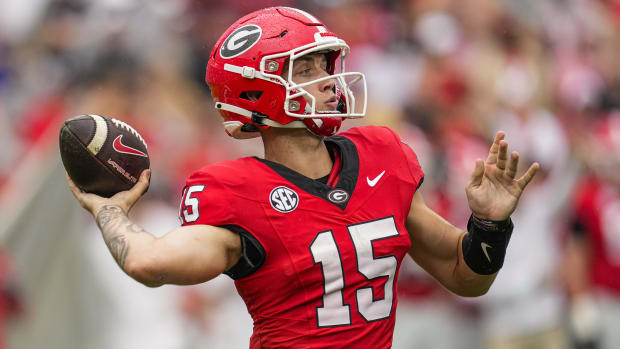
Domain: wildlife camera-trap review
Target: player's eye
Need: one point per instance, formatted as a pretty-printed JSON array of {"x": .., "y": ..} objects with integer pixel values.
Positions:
[{"x": 305, "y": 71}]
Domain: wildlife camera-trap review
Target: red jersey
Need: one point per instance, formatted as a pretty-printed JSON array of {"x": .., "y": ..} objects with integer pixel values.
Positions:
[
  {"x": 321, "y": 261},
  {"x": 598, "y": 215}
]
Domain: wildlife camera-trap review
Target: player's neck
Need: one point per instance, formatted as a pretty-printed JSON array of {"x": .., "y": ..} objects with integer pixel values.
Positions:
[{"x": 298, "y": 150}]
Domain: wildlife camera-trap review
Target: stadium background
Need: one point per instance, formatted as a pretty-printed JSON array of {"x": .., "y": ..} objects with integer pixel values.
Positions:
[{"x": 446, "y": 74}]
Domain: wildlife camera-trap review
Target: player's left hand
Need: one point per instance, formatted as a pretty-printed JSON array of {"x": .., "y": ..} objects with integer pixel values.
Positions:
[{"x": 492, "y": 191}]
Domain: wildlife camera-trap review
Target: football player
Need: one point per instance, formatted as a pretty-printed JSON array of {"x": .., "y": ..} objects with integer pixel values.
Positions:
[
  {"x": 592, "y": 260},
  {"x": 315, "y": 232}
]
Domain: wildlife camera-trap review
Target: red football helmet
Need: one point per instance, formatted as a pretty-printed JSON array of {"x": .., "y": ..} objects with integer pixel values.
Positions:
[{"x": 248, "y": 60}]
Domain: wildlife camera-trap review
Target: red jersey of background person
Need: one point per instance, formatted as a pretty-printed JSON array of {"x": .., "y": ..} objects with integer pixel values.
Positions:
[
  {"x": 598, "y": 216},
  {"x": 10, "y": 297},
  {"x": 320, "y": 261}
]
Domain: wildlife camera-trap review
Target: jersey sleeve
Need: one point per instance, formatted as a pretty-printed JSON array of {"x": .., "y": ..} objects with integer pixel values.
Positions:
[
  {"x": 410, "y": 158},
  {"x": 413, "y": 163},
  {"x": 204, "y": 201},
  {"x": 391, "y": 142}
]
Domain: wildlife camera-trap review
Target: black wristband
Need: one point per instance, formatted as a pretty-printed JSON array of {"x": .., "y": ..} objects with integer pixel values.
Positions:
[{"x": 484, "y": 245}]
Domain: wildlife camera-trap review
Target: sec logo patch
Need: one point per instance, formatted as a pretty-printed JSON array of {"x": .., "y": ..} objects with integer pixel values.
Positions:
[{"x": 283, "y": 199}]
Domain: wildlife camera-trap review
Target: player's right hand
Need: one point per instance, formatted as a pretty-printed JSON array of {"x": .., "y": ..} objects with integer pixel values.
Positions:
[{"x": 124, "y": 199}]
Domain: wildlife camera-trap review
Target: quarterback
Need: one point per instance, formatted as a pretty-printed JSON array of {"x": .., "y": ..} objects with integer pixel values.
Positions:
[{"x": 314, "y": 233}]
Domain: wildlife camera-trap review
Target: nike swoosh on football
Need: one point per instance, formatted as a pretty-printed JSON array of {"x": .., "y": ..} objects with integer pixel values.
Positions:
[
  {"x": 121, "y": 148},
  {"x": 373, "y": 182},
  {"x": 484, "y": 249}
]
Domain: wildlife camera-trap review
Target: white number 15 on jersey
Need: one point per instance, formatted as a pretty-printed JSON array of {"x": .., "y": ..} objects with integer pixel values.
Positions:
[{"x": 334, "y": 312}]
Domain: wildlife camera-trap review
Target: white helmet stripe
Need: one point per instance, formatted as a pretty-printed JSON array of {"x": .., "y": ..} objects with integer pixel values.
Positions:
[
  {"x": 320, "y": 28},
  {"x": 309, "y": 16}
]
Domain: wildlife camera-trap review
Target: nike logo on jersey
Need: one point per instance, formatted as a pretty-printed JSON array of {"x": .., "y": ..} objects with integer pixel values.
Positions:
[
  {"x": 121, "y": 148},
  {"x": 373, "y": 182},
  {"x": 484, "y": 249}
]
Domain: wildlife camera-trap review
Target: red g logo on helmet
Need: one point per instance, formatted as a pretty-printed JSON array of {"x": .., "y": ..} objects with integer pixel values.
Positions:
[{"x": 240, "y": 41}]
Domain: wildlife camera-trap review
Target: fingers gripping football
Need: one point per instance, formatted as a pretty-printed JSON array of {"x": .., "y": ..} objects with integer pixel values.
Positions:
[
  {"x": 132, "y": 195},
  {"x": 124, "y": 199}
]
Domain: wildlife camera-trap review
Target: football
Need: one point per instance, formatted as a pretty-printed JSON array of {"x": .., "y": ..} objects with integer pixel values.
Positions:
[{"x": 102, "y": 155}]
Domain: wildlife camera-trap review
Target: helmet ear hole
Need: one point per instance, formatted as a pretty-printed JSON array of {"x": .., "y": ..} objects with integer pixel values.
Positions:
[{"x": 252, "y": 96}]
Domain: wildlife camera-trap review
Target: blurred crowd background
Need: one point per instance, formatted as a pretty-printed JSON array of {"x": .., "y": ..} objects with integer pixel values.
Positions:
[{"x": 445, "y": 74}]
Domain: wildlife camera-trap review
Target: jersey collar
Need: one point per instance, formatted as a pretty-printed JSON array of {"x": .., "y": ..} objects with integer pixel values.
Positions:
[{"x": 346, "y": 181}]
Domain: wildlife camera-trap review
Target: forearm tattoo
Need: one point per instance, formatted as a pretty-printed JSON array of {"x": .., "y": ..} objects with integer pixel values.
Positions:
[{"x": 115, "y": 226}]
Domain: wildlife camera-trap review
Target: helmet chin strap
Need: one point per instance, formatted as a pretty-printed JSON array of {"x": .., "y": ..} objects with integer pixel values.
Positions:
[
  {"x": 261, "y": 119},
  {"x": 257, "y": 117}
]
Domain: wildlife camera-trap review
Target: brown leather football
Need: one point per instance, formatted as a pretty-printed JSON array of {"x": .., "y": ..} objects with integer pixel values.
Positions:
[{"x": 102, "y": 155}]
